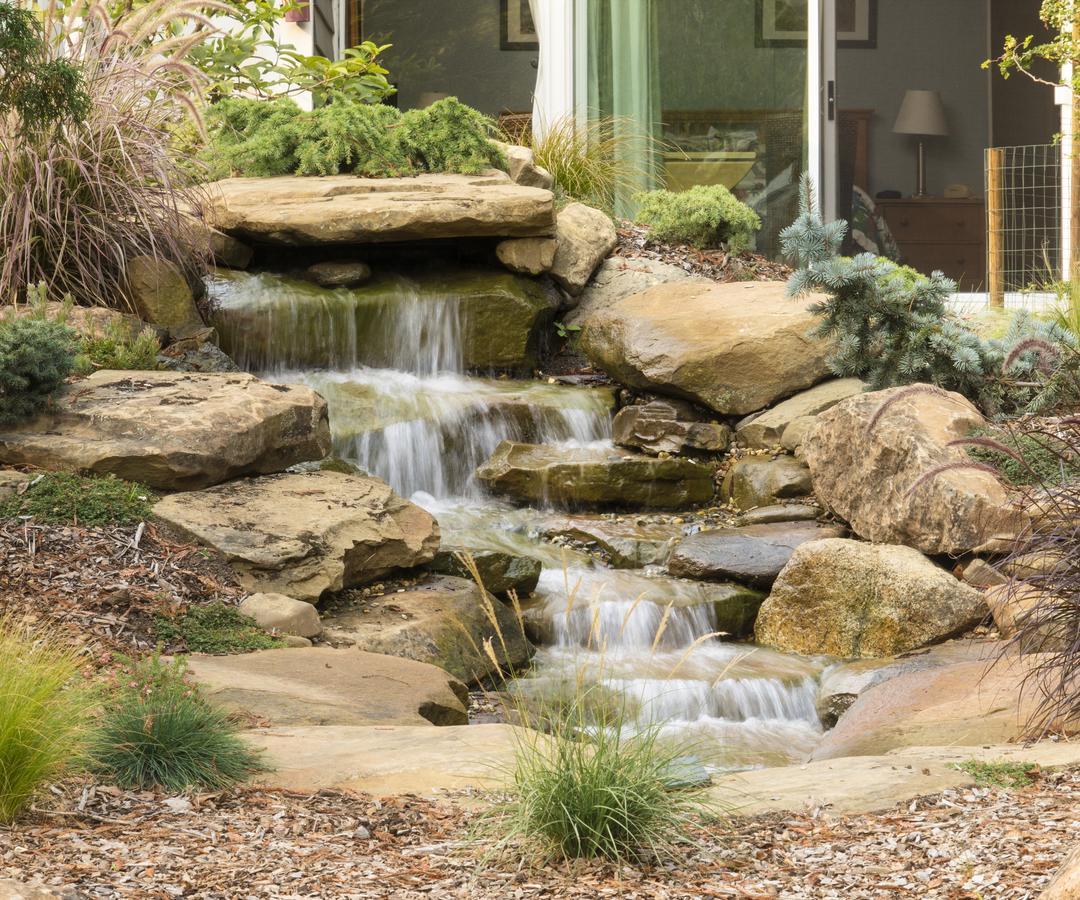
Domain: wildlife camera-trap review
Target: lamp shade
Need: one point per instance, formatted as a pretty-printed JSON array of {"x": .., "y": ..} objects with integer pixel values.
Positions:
[{"x": 922, "y": 112}]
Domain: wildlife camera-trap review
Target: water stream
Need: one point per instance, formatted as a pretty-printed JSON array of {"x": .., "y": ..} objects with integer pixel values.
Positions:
[{"x": 388, "y": 359}]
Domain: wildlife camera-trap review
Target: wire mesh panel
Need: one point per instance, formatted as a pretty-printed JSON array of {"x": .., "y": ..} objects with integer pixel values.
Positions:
[{"x": 1024, "y": 224}]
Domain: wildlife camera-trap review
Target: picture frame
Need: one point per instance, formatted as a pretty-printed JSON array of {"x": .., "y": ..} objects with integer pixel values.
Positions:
[
  {"x": 518, "y": 28},
  {"x": 782, "y": 23}
]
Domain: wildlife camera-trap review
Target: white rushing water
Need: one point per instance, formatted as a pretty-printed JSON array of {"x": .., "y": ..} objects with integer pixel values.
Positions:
[{"x": 389, "y": 363}]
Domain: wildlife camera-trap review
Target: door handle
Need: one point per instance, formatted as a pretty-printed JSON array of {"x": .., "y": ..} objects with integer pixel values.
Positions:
[{"x": 830, "y": 100}]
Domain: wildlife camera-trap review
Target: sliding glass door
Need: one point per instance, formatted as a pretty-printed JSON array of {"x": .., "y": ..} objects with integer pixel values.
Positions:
[{"x": 724, "y": 92}]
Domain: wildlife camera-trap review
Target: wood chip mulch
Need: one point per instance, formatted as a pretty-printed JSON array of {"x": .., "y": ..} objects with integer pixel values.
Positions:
[
  {"x": 960, "y": 845},
  {"x": 719, "y": 265},
  {"x": 103, "y": 586}
]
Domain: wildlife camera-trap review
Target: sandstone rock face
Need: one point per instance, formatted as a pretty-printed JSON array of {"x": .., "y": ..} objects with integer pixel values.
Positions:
[
  {"x": 795, "y": 433},
  {"x": 767, "y": 429},
  {"x": 967, "y": 703},
  {"x": 753, "y": 555},
  {"x": 306, "y": 534},
  {"x": 499, "y": 572},
  {"x": 586, "y": 236},
  {"x": 668, "y": 426},
  {"x": 870, "y": 476},
  {"x": 760, "y": 481},
  {"x": 735, "y": 348},
  {"x": 594, "y": 477},
  {"x": 849, "y": 599},
  {"x": 12, "y": 482},
  {"x": 343, "y": 209},
  {"x": 1024, "y": 609},
  {"x": 445, "y": 621},
  {"x": 172, "y": 430},
  {"x": 161, "y": 293},
  {"x": 281, "y": 614},
  {"x": 321, "y": 686},
  {"x": 523, "y": 169},
  {"x": 10, "y": 889},
  {"x": 622, "y": 544},
  {"x": 619, "y": 277},
  {"x": 529, "y": 256},
  {"x": 228, "y": 251},
  {"x": 335, "y": 274}
]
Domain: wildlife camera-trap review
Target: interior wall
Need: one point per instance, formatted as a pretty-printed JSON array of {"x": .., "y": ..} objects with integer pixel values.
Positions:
[
  {"x": 923, "y": 45},
  {"x": 451, "y": 47},
  {"x": 1024, "y": 112}
]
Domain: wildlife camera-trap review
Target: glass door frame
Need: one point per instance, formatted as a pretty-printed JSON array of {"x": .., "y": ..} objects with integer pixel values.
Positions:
[{"x": 822, "y": 112}]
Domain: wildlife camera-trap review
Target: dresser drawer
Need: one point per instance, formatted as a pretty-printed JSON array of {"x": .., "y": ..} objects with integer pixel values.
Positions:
[
  {"x": 963, "y": 263},
  {"x": 935, "y": 221}
]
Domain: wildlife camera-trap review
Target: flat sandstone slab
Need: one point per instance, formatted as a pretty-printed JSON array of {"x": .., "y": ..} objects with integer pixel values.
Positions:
[{"x": 344, "y": 209}]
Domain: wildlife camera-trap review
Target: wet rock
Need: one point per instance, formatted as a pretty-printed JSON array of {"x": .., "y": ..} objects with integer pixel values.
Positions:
[
  {"x": 304, "y": 535},
  {"x": 283, "y": 615},
  {"x": 854, "y": 600},
  {"x": 754, "y": 554},
  {"x": 966, "y": 704},
  {"x": 668, "y": 426},
  {"x": 586, "y": 236},
  {"x": 500, "y": 573},
  {"x": 322, "y": 686},
  {"x": 529, "y": 256},
  {"x": 877, "y": 459},
  {"x": 227, "y": 250},
  {"x": 344, "y": 209},
  {"x": 206, "y": 357},
  {"x": 767, "y": 429},
  {"x": 621, "y": 543},
  {"x": 445, "y": 622},
  {"x": 343, "y": 273},
  {"x": 766, "y": 515},
  {"x": 734, "y": 348},
  {"x": 523, "y": 168},
  {"x": 589, "y": 477},
  {"x": 173, "y": 431},
  {"x": 736, "y": 608},
  {"x": 161, "y": 293},
  {"x": 760, "y": 481},
  {"x": 619, "y": 277}
]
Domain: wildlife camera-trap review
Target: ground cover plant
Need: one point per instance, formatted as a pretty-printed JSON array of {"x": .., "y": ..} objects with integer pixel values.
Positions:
[
  {"x": 214, "y": 628},
  {"x": 704, "y": 216},
  {"x": 116, "y": 346},
  {"x": 158, "y": 731},
  {"x": 62, "y": 498},
  {"x": 999, "y": 774},
  {"x": 43, "y": 713}
]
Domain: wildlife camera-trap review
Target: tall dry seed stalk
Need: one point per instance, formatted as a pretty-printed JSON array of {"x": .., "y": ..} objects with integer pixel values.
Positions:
[{"x": 81, "y": 198}]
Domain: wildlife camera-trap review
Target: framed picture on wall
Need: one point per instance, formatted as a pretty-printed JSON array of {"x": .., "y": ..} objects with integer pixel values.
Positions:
[
  {"x": 783, "y": 23},
  {"x": 518, "y": 27}
]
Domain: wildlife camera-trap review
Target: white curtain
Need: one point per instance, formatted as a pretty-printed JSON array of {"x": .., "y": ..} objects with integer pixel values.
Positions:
[{"x": 553, "y": 98}]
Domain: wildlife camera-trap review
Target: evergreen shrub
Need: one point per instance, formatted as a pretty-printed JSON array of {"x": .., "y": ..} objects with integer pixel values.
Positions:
[{"x": 705, "y": 216}]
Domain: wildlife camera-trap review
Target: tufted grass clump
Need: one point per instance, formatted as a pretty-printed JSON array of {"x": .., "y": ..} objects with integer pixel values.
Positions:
[
  {"x": 214, "y": 628},
  {"x": 65, "y": 498},
  {"x": 158, "y": 731},
  {"x": 704, "y": 216},
  {"x": 43, "y": 714},
  {"x": 117, "y": 347}
]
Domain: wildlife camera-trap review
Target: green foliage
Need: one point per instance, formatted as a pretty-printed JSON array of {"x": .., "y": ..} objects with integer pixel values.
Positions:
[
  {"x": 1024, "y": 56},
  {"x": 43, "y": 714},
  {"x": 264, "y": 138},
  {"x": 891, "y": 325},
  {"x": 705, "y": 216},
  {"x": 64, "y": 498},
  {"x": 1043, "y": 458},
  {"x": 358, "y": 77},
  {"x": 116, "y": 347},
  {"x": 214, "y": 628},
  {"x": 1000, "y": 774},
  {"x": 40, "y": 90},
  {"x": 36, "y": 354},
  {"x": 157, "y": 731}
]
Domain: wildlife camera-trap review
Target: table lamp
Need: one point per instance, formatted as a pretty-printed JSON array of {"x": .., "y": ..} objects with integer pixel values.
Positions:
[{"x": 923, "y": 114}]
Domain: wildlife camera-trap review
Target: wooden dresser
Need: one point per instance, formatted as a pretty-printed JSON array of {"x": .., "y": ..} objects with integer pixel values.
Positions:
[{"x": 939, "y": 234}]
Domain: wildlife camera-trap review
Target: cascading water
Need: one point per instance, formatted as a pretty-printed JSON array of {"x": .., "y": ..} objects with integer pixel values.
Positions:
[{"x": 389, "y": 360}]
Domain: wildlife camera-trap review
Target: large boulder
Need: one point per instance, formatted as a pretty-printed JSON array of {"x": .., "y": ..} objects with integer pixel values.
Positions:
[
  {"x": 668, "y": 426},
  {"x": 585, "y": 237},
  {"x": 849, "y": 599},
  {"x": 283, "y": 615},
  {"x": 735, "y": 348},
  {"x": 594, "y": 477},
  {"x": 344, "y": 209},
  {"x": 768, "y": 428},
  {"x": 619, "y": 277},
  {"x": 755, "y": 481},
  {"x": 447, "y": 622},
  {"x": 304, "y": 535},
  {"x": 161, "y": 293},
  {"x": 881, "y": 461},
  {"x": 967, "y": 703},
  {"x": 322, "y": 686},
  {"x": 754, "y": 554},
  {"x": 173, "y": 430}
]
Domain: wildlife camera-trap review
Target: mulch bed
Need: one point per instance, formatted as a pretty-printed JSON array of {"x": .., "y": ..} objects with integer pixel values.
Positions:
[
  {"x": 103, "y": 586},
  {"x": 719, "y": 265},
  {"x": 977, "y": 843}
]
